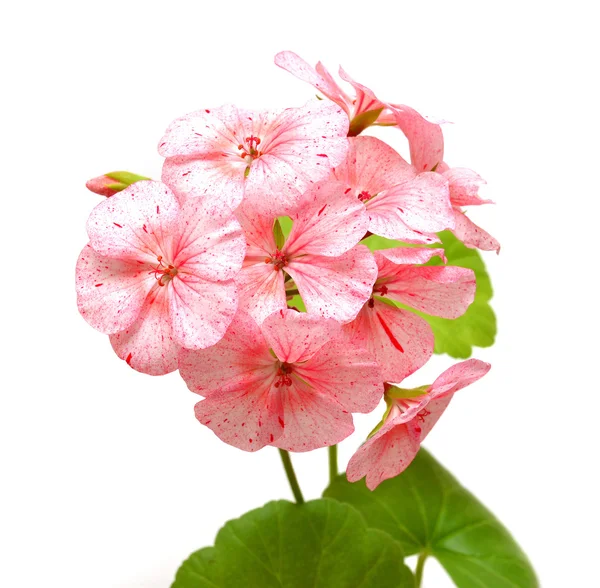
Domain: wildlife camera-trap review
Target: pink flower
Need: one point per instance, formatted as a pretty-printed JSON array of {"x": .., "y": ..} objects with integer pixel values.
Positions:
[
  {"x": 400, "y": 340},
  {"x": 292, "y": 383},
  {"x": 412, "y": 414},
  {"x": 157, "y": 275},
  {"x": 268, "y": 157},
  {"x": 401, "y": 204},
  {"x": 331, "y": 272},
  {"x": 111, "y": 183}
]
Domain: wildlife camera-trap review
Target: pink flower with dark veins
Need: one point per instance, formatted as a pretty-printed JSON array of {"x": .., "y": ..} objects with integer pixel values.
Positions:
[
  {"x": 268, "y": 158},
  {"x": 401, "y": 340},
  {"x": 410, "y": 417},
  {"x": 401, "y": 204},
  {"x": 292, "y": 382},
  {"x": 158, "y": 275},
  {"x": 320, "y": 259}
]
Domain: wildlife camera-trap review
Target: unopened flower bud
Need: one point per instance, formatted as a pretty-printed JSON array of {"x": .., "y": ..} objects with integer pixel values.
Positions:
[{"x": 113, "y": 182}]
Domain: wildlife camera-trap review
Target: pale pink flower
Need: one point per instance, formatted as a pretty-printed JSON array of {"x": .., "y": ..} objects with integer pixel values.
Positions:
[
  {"x": 410, "y": 418},
  {"x": 157, "y": 276},
  {"x": 400, "y": 204},
  {"x": 400, "y": 340},
  {"x": 331, "y": 272},
  {"x": 268, "y": 157},
  {"x": 292, "y": 382}
]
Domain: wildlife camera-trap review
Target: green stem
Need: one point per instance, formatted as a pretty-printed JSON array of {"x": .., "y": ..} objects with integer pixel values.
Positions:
[
  {"x": 419, "y": 569},
  {"x": 291, "y": 475},
  {"x": 333, "y": 465}
]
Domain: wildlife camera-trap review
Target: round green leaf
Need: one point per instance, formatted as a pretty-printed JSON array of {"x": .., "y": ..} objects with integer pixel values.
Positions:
[
  {"x": 427, "y": 510},
  {"x": 322, "y": 544}
]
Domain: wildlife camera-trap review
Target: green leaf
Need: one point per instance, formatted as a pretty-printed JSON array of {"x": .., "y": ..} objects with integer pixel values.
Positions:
[
  {"x": 475, "y": 328},
  {"x": 322, "y": 544},
  {"x": 426, "y": 509},
  {"x": 125, "y": 177},
  {"x": 278, "y": 234}
]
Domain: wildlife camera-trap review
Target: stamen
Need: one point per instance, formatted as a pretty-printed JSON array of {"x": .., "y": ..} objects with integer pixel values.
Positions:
[
  {"x": 364, "y": 196},
  {"x": 164, "y": 274},
  {"x": 283, "y": 374},
  {"x": 278, "y": 259}
]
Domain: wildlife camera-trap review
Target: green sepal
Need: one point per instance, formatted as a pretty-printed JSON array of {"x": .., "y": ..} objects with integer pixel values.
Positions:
[
  {"x": 360, "y": 122},
  {"x": 397, "y": 392},
  {"x": 278, "y": 234},
  {"x": 124, "y": 179},
  {"x": 388, "y": 407}
]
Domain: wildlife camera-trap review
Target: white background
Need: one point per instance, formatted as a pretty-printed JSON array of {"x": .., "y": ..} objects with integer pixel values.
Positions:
[{"x": 108, "y": 480}]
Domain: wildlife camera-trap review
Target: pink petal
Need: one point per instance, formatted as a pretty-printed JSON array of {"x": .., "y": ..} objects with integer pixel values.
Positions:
[
  {"x": 459, "y": 376},
  {"x": 365, "y": 99},
  {"x": 200, "y": 310},
  {"x": 148, "y": 345},
  {"x": 204, "y": 132},
  {"x": 383, "y": 456},
  {"x": 431, "y": 415},
  {"x": 470, "y": 234},
  {"x": 209, "y": 243},
  {"x": 214, "y": 177},
  {"x": 425, "y": 139},
  {"x": 261, "y": 290},
  {"x": 296, "y": 336},
  {"x": 423, "y": 204},
  {"x": 464, "y": 186},
  {"x": 240, "y": 359},
  {"x": 445, "y": 291},
  {"x": 303, "y": 145},
  {"x": 335, "y": 287},
  {"x": 298, "y": 67},
  {"x": 372, "y": 166},
  {"x": 346, "y": 372},
  {"x": 136, "y": 223},
  {"x": 110, "y": 292},
  {"x": 258, "y": 229},
  {"x": 405, "y": 255},
  {"x": 247, "y": 417},
  {"x": 328, "y": 222},
  {"x": 401, "y": 341},
  {"x": 312, "y": 420}
]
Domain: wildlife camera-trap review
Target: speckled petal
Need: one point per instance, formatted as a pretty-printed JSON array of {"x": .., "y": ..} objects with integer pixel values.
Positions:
[
  {"x": 135, "y": 223},
  {"x": 148, "y": 345},
  {"x": 346, "y": 372},
  {"x": 295, "y": 336},
  {"x": 213, "y": 177},
  {"x": 425, "y": 138},
  {"x": 209, "y": 241},
  {"x": 200, "y": 310},
  {"x": 373, "y": 166},
  {"x": 445, "y": 291},
  {"x": 401, "y": 341},
  {"x": 261, "y": 290},
  {"x": 383, "y": 456},
  {"x": 472, "y": 235},
  {"x": 335, "y": 287},
  {"x": 241, "y": 358},
  {"x": 459, "y": 376},
  {"x": 464, "y": 186},
  {"x": 324, "y": 83},
  {"x": 312, "y": 420},
  {"x": 328, "y": 222},
  {"x": 422, "y": 203},
  {"x": 110, "y": 292},
  {"x": 247, "y": 417},
  {"x": 405, "y": 255}
]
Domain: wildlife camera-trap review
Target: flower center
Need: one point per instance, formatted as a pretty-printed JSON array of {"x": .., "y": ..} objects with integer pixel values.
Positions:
[
  {"x": 249, "y": 149},
  {"x": 164, "y": 272},
  {"x": 364, "y": 196},
  {"x": 278, "y": 259},
  {"x": 283, "y": 375}
]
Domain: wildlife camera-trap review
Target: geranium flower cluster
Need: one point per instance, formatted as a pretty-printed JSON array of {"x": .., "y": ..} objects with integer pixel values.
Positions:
[{"x": 201, "y": 271}]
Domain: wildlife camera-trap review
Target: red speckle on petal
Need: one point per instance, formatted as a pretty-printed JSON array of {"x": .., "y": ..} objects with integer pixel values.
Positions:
[
  {"x": 322, "y": 209},
  {"x": 348, "y": 190},
  {"x": 118, "y": 225},
  {"x": 250, "y": 440},
  {"x": 390, "y": 335},
  {"x": 98, "y": 285},
  {"x": 272, "y": 438},
  {"x": 281, "y": 421},
  {"x": 321, "y": 155},
  {"x": 207, "y": 111},
  {"x": 145, "y": 229},
  {"x": 128, "y": 360},
  {"x": 157, "y": 209}
]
